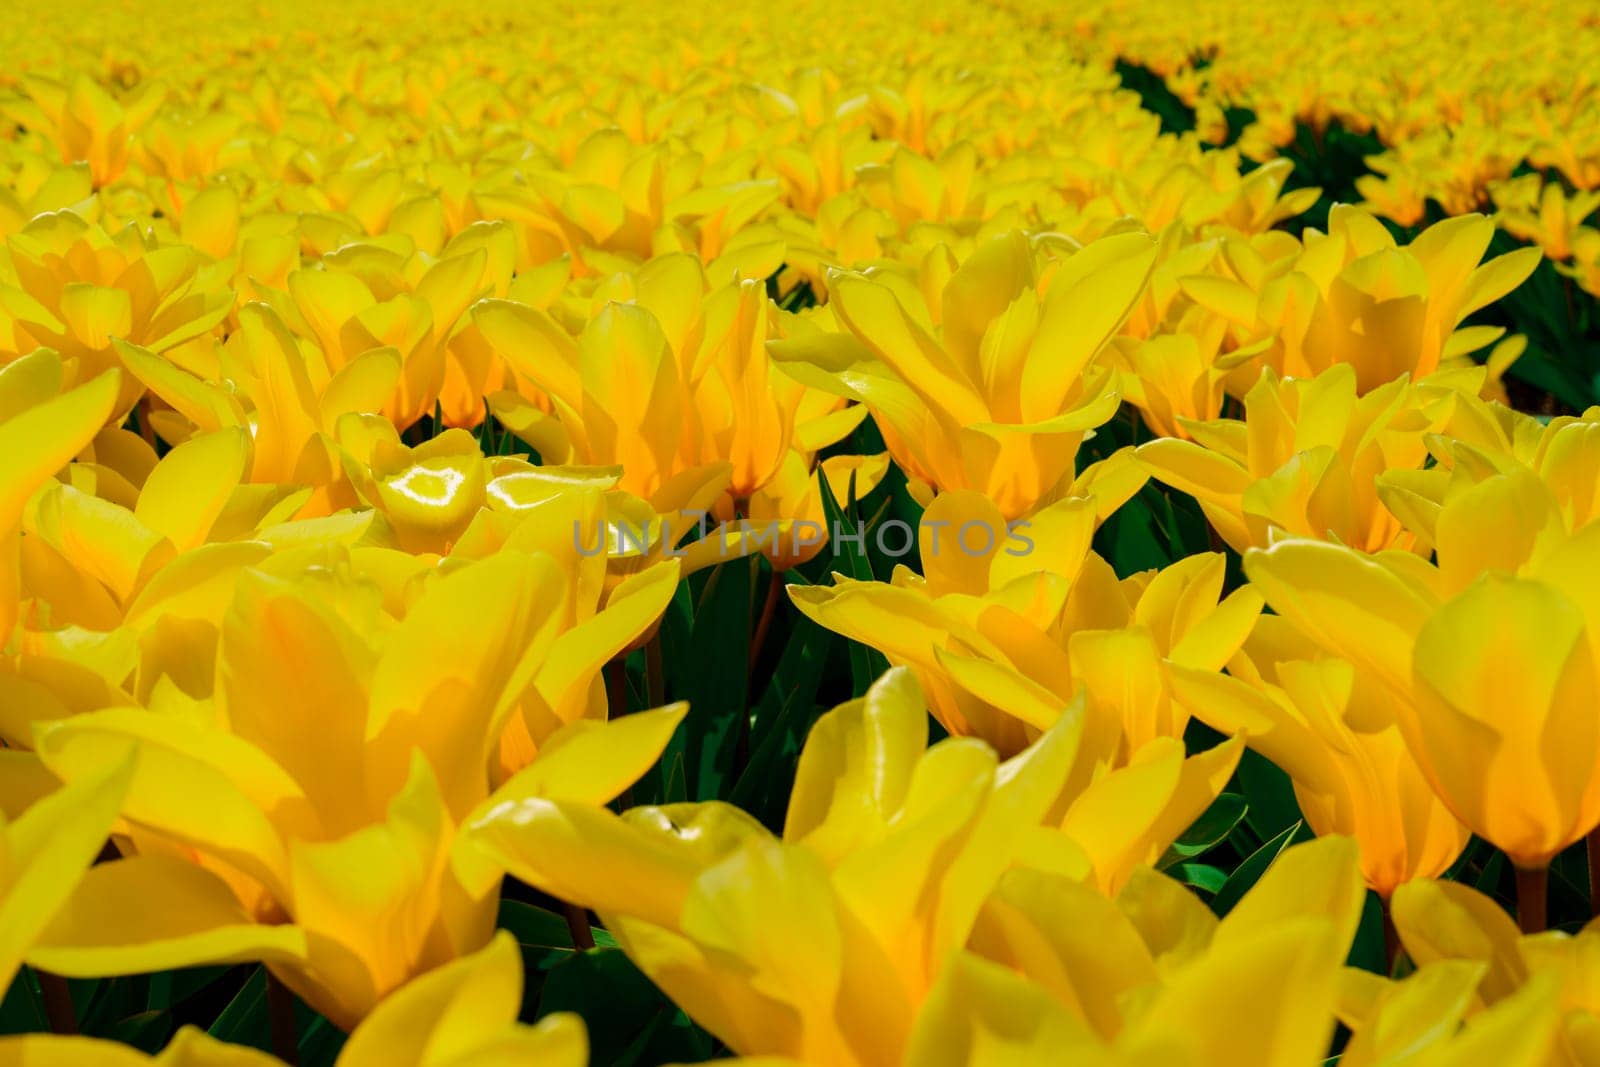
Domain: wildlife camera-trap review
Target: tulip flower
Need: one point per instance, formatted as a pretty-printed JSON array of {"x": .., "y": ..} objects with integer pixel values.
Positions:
[
  {"x": 304, "y": 814},
  {"x": 1542, "y": 213},
  {"x": 1303, "y": 459},
  {"x": 463, "y": 1012},
  {"x": 714, "y": 399},
  {"x": 821, "y": 944},
  {"x": 1355, "y": 296},
  {"x": 1524, "y": 998},
  {"x": 76, "y": 289},
  {"x": 1495, "y": 457},
  {"x": 264, "y": 379},
  {"x": 1008, "y": 622},
  {"x": 999, "y": 395},
  {"x": 348, "y": 319},
  {"x": 92, "y": 126},
  {"x": 40, "y": 432},
  {"x": 1487, "y": 684},
  {"x": 1336, "y": 738},
  {"x": 1417, "y": 1020},
  {"x": 1160, "y": 977}
]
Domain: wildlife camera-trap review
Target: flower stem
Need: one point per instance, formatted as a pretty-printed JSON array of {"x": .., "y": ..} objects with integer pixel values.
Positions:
[
  {"x": 1533, "y": 889},
  {"x": 578, "y": 926},
  {"x": 769, "y": 608},
  {"x": 58, "y": 1009},
  {"x": 1391, "y": 936},
  {"x": 280, "y": 1020},
  {"x": 655, "y": 676},
  {"x": 617, "y": 688},
  {"x": 1592, "y": 843}
]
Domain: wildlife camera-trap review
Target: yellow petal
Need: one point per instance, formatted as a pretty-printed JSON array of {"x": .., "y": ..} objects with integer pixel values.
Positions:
[
  {"x": 46, "y": 851},
  {"x": 191, "y": 486},
  {"x": 109, "y": 926}
]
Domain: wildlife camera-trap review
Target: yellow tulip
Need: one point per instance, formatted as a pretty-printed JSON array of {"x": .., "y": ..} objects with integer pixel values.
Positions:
[
  {"x": 305, "y": 813},
  {"x": 710, "y": 401},
  {"x": 414, "y": 310},
  {"x": 1494, "y": 457},
  {"x": 1336, "y": 737},
  {"x": 822, "y": 944},
  {"x": 40, "y": 432},
  {"x": 1009, "y": 621},
  {"x": 1531, "y": 999},
  {"x": 1487, "y": 683},
  {"x": 1355, "y": 296},
  {"x": 1542, "y": 213},
  {"x": 1303, "y": 459},
  {"x": 1154, "y": 977},
  {"x": 75, "y": 288},
  {"x": 998, "y": 395}
]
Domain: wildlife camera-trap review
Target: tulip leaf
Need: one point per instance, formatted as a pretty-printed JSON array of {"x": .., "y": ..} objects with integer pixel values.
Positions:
[
  {"x": 319, "y": 1040},
  {"x": 1209, "y": 830},
  {"x": 174, "y": 987},
  {"x": 1201, "y": 876},
  {"x": 719, "y": 645},
  {"x": 1248, "y": 873},
  {"x": 22, "y": 1010},
  {"x": 619, "y": 1005},
  {"x": 866, "y": 664},
  {"x": 778, "y": 735},
  {"x": 244, "y": 1020},
  {"x": 670, "y": 1037},
  {"x": 146, "y": 1031},
  {"x": 1269, "y": 795},
  {"x": 1494, "y": 869}
]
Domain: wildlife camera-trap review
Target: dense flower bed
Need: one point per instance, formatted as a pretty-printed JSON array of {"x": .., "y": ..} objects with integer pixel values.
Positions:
[{"x": 857, "y": 535}]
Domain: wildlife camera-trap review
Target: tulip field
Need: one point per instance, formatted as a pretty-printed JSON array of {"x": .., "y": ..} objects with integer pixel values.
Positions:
[{"x": 940, "y": 533}]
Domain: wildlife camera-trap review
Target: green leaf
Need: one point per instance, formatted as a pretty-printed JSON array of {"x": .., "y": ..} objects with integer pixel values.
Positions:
[
  {"x": 617, "y": 1002},
  {"x": 147, "y": 1031},
  {"x": 1269, "y": 795},
  {"x": 1208, "y": 831},
  {"x": 1248, "y": 873},
  {"x": 174, "y": 987},
  {"x": 719, "y": 648},
  {"x": 244, "y": 1021},
  {"x": 866, "y": 664},
  {"x": 670, "y": 1037},
  {"x": 763, "y": 788},
  {"x": 1201, "y": 876},
  {"x": 22, "y": 1009},
  {"x": 319, "y": 1041}
]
